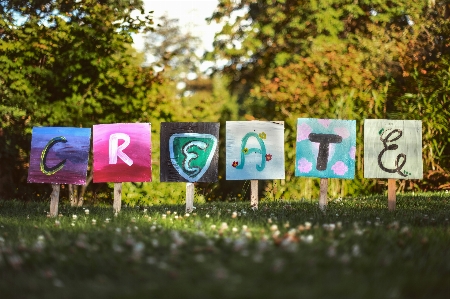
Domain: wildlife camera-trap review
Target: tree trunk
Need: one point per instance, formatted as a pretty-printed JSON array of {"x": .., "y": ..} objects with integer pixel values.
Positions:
[
  {"x": 83, "y": 189},
  {"x": 73, "y": 195}
]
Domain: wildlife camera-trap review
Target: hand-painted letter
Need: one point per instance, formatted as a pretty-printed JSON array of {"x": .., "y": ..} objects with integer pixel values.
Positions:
[
  {"x": 385, "y": 140},
  {"x": 51, "y": 170},
  {"x": 245, "y": 151},
  {"x": 324, "y": 140},
  {"x": 117, "y": 151}
]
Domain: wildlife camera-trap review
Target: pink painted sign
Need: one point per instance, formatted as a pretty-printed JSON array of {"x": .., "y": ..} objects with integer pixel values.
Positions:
[{"x": 122, "y": 153}]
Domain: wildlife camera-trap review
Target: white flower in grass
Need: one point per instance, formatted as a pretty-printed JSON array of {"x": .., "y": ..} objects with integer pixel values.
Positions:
[
  {"x": 94, "y": 222},
  {"x": 86, "y": 212},
  {"x": 234, "y": 229},
  {"x": 356, "y": 251},
  {"x": 258, "y": 258},
  {"x": 74, "y": 217},
  {"x": 307, "y": 239},
  {"x": 329, "y": 227},
  {"x": 213, "y": 227},
  {"x": 405, "y": 230},
  {"x": 234, "y": 215},
  {"x": 274, "y": 227},
  {"x": 145, "y": 210},
  {"x": 199, "y": 258},
  {"x": 186, "y": 215},
  {"x": 107, "y": 220},
  {"x": 292, "y": 232},
  {"x": 57, "y": 223},
  {"x": 177, "y": 238},
  {"x": 224, "y": 226},
  {"x": 207, "y": 216},
  {"x": 151, "y": 260},
  {"x": 331, "y": 251},
  {"x": 308, "y": 225}
]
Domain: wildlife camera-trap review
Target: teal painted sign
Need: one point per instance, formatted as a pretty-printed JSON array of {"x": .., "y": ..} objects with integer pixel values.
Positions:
[{"x": 326, "y": 148}]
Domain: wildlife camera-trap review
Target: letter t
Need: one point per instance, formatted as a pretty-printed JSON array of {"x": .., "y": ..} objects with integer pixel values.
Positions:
[{"x": 324, "y": 141}]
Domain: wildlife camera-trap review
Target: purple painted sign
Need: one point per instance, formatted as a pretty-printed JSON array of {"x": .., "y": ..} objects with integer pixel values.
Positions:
[
  {"x": 59, "y": 155},
  {"x": 122, "y": 153}
]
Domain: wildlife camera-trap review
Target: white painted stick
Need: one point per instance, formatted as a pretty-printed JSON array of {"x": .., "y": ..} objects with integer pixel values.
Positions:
[
  {"x": 391, "y": 194},
  {"x": 323, "y": 194},
  {"x": 254, "y": 193},
  {"x": 189, "y": 197},
  {"x": 117, "y": 204},
  {"x": 54, "y": 200}
]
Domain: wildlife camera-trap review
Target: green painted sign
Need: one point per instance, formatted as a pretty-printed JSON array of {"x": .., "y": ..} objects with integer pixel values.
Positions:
[{"x": 191, "y": 154}]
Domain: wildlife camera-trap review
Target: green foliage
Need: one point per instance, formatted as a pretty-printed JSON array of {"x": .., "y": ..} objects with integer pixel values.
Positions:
[
  {"x": 66, "y": 63},
  {"x": 339, "y": 59}
]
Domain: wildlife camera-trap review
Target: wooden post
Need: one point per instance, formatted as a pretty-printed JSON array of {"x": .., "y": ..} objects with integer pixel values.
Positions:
[
  {"x": 117, "y": 204},
  {"x": 323, "y": 194},
  {"x": 189, "y": 197},
  {"x": 254, "y": 193},
  {"x": 54, "y": 200},
  {"x": 391, "y": 194}
]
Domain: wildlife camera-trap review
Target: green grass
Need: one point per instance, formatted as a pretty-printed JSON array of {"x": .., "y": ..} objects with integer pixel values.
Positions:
[{"x": 226, "y": 250}]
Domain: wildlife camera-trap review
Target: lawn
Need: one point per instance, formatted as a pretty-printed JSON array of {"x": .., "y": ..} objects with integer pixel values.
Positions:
[{"x": 286, "y": 249}]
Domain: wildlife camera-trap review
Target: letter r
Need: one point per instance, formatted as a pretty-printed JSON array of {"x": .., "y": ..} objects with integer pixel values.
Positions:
[{"x": 117, "y": 151}]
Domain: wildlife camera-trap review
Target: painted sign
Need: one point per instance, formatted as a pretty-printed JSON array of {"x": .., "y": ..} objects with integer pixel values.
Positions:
[
  {"x": 189, "y": 152},
  {"x": 59, "y": 155},
  {"x": 393, "y": 149},
  {"x": 325, "y": 148},
  {"x": 254, "y": 150},
  {"x": 122, "y": 153}
]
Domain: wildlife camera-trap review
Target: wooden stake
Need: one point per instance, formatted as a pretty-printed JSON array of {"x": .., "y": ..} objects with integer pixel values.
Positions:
[
  {"x": 391, "y": 194},
  {"x": 254, "y": 193},
  {"x": 54, "y": 200},
  {"x": 189, "y": 197},
  {"x": 117, "y": 204},
  {"x": 323, "y": 194}
]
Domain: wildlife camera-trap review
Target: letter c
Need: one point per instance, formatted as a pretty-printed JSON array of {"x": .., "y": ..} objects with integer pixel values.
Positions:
[{"x": 52, "y": 170}]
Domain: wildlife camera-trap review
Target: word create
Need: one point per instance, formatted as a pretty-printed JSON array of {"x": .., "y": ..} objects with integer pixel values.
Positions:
[
  {"x": 189, "y": 152},
  {"x": 122, "y": 153},
  {"x": 254, "y": 150},
  {"x": 59, "y": 155},
  {"x": 326, "y": 148},
  {"x": 393, "y": 149}
]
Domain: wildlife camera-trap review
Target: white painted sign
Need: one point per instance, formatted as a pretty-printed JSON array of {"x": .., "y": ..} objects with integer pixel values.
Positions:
[
  {"x": 254, "y": 150},
  {"x": 393, "y": 149}
]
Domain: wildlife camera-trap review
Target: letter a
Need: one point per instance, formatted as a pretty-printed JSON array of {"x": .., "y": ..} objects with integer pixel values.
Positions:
[{"x": 117, "y": 151}]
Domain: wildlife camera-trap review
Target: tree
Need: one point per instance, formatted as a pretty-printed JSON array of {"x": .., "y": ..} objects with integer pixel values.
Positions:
[
  {"x": 334, "y": 58},
  {"x": 66, "y": 63}
]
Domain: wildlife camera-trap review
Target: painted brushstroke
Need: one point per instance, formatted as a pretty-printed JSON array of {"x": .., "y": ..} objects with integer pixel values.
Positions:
[
  {"x": 122, "y": 153},
  {"x": 66, "y": 155}
]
